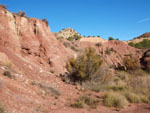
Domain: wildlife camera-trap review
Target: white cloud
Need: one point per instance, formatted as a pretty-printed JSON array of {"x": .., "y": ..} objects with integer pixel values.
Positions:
[{"x": 144, "y": 20}]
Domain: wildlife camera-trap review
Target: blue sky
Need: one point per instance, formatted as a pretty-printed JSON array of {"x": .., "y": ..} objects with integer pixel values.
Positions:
[{"x": 123, "y": 19}]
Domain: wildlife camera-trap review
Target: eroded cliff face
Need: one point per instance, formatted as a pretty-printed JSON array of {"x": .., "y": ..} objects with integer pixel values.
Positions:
[
  {"x": 31, "y": 39},
  {"x": 113, "y": 52}
]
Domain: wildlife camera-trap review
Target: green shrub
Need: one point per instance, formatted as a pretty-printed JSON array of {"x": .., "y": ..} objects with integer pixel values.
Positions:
[
  {"x": 131, "y": 44},
  {"x": 77, "y": 104},
  {"x": 143, "y": 44},
  {"x": 22, "y": 14},
  {"x": 8, "y": 74},
  {"x": 111, "y": 38},
  {"x": 77, "y": 37},
  {"x": 108, "y": 51},
  {"x": 70, "y": 38},
  {"x": 85, "y": 66},
  {"x": 74, "y": 37},
  {"x": 112, "y": 99},
  {"x": 98, "y": 45}
]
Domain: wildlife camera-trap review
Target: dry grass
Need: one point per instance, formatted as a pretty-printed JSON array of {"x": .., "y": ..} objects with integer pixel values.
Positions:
[
  {"x": 112, "y": 99},
  {"x": 77, "y": 104},
  {"x": 8, "y": 64},
  {"x": 131, "y": 97},
  {"x": 131, "y": 87},
  {"x": 85, "y": 100},
  {"x": 115, "y": 88},
  {"x": 48, "y": 89},
  {"x": 140, "y": 85}
]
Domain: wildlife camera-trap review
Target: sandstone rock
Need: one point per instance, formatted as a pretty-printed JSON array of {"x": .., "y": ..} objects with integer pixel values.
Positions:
[
  {"x": 66, "y": 33},
  {"x": 32, "y": 40},
  {"x": 113, "y": 52},
  {"x": 4, "y": 59},
  {"x": 93, "y": 40}
]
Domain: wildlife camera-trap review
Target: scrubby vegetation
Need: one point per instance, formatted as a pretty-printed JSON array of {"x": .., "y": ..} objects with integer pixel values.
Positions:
[
  {"x": 98, "y": 45},
  {"x": 45, "y": 20},
  {"x": 3, "y": 6},
  {"x": 126, "y": 88},
  {"x": 70, "y": 38},
  {"x": 131, "y": 63},
  {"x": 108, "y": 51},
  {"x": 143, "y": 44},
  {"x": 8, "y": 74},
  {"x": 22, "y": 14},
  {"x": 47, "y": 89},
  {"x": 120, "y": 90},
  {"x": 121, "y": 87},
  {"x": 74, "y": 37},
  {"x": 112, "y": 99},
  {"x": 130, "y": 85},
  {"x": 110, "y": 38},
  {"x": 84, "y": 67},
  {"x": 85, "y": 100},
  {"x": 77, "y": 37}
]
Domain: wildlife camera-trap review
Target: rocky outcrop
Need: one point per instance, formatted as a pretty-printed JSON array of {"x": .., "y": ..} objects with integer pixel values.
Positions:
[
  {"x": 93, "y": 40},
  {"x": 31, "y": 39},
  {"x": 114, "y": 51},
  {"x": 140, "y": 38},
  {"x": 145, "y": 35},
  {"x": 66, "y": 33},
  {"x": 145, "y": 60}
]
